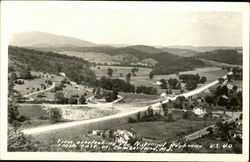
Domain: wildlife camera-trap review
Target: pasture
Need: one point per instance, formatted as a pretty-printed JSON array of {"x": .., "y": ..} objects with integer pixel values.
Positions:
[
  {"x": 34, "y": 85},
  {"x": 161, "y": 130},
  {"x": 68, "y": 91},
  {"x": 119, "y": 71},
  {"x": 91, "y": 56}
]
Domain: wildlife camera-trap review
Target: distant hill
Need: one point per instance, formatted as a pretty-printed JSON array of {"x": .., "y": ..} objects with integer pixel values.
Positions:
[
  {"x": 50, "y": 62},
  {"x": 203, "y": 48},
  {"x": 164, "y": 62},
  {"x": 125, "y": 58},
  {"x": 223, "y": 56},
  {"x": 146, "y": 49},
  {"x": 42, "y": 39},
  {"x": 179, "y": 51}
]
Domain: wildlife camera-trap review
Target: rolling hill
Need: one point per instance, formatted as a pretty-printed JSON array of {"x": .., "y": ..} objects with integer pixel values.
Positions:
[
  {"x": 42, "y": 39},
  {"x": 146, "y": 49},
  {"x": 50, "y": 62},
  {"x": 179, "y": 51},
  {"x": 203, "y": 48},
  {"x": 223, "y": 56}
]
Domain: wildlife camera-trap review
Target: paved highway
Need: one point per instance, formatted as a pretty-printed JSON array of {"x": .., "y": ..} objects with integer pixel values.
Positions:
[{"x": 119, "y": 115}]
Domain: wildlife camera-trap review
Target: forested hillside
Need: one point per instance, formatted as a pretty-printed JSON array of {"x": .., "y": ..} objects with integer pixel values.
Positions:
[
  {"x": 50, "y": 62},
  {"x": 224, "y": 56},
  {"x": 167, "y": 62}
]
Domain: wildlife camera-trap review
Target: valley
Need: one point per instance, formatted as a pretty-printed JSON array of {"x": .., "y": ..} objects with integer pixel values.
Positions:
[{"x": 72, "y": 91}]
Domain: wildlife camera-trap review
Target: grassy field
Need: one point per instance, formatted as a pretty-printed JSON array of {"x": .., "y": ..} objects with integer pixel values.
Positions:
[
  {"x": 119, "y": 69},
  {"x": 91, "y": 56},
  {"x": 132, "y": 98},
  {"x": 68, "y": 91},
  {"x": 30, "y": 86},
  {"x": 161, "y": 130},
  {"x": 211, "y": 73}
]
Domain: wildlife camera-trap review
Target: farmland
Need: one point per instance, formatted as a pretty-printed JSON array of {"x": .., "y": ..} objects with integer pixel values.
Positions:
[
  {"x": 119, "y": 71},
  {"x": 142, "y": 78},
  {"x": 33, "y": 85},
  {"x": 160, "y": 130}
]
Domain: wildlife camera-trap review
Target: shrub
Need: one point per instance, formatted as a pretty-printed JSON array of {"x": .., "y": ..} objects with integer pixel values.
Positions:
[
  {"x": 17, "y": 141},
  {"x": 55, "y": 115},
  {"x": 131, "y": 120},
  {"x": 181, "y": 133},
  {"x": 44, "y": 117}
]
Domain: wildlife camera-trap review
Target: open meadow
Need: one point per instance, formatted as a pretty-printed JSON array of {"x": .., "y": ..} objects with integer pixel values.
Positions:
[{"x": 119, "y": 71}]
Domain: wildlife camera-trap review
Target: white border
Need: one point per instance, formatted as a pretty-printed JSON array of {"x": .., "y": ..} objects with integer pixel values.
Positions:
[{"x": 171, "y": 6}]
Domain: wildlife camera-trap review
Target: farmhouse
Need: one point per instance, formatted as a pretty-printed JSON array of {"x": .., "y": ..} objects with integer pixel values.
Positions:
[
  {"x": 158, "y": 83},
  {"x": 199, "y": 111},
  {"x": 164, "y": 94}
]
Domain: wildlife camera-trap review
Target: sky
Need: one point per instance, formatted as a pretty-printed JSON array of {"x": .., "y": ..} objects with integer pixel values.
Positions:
[{"x": 147, "y": 24}]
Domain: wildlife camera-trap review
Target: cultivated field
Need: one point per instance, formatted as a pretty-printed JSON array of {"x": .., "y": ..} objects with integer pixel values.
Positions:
[
  {"x": 102, "y": 71},
  {"x": 92, "y": 56}
]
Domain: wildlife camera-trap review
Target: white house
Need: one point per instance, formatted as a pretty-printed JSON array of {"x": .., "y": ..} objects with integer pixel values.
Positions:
[
  {"x": 164, "y": 94},
  {"x": 199, "y": 111},
  {"x": 158, "y": 83}
]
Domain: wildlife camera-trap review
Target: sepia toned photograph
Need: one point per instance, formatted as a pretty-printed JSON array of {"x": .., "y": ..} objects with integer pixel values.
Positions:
[{"x": 124, "y": 78}]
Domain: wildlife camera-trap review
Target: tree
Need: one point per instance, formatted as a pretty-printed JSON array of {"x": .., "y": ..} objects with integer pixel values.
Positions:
[
  {"x": 73, "y": 100},
  {"x": 222, "y": 90},
  {"x": 151, "y": 75},
  {"x": 163, "y": 84},
  {"x": 235, "y": 88},
  {"x": 115, "y": 95},
  {"x": 150, "y": 111},
  {"x": 59, "y": 97},
  {"x": 82, "y": 100},
  {"x": 203, "y": 79},
  {"x": 55, "y": 115},
  {"x": 210, "y": 100},
  {"x": 14, "y": 117},
  {"x": 110, "y": 72},
  {"x": 191, "y": 85},
  {"x": 108, "y": 97},
  {"x": 18, "y": 141},
  {"x": 222, "y": 101},
  {"x": 26, "y": 74},
  {"x": 133, "y": 71},
  {"x": 128, "y": 77},
  {"x": 172, "y": 83}
]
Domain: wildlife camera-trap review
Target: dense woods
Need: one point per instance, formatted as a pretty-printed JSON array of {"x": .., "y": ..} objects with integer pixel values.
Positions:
[{"x": 224, "y": 56}]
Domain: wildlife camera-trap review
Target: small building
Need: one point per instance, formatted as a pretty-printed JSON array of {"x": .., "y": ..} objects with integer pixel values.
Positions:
[
  {"x": 164, "y": 94},
  {"x": 199, "y": 111},
  {"x": 158, "y": 83}
]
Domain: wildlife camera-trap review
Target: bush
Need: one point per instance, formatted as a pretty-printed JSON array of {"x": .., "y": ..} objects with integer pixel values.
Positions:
[
  {"x": 131, "y": 120},
  {"x": 181, "y": 133},
  {"x": 44, "y": 117},
  {"x": 55, "y": 115},
  {"x": 18, "y": 142}
]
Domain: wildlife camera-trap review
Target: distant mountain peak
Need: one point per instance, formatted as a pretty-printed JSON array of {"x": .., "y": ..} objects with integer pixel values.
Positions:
[{"x": 36, "y": 38}]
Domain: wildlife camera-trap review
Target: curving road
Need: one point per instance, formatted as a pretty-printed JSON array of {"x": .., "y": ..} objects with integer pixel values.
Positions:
[
  {"x": 51, "y": 87},
  {"x": 76, "y": 123}
]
